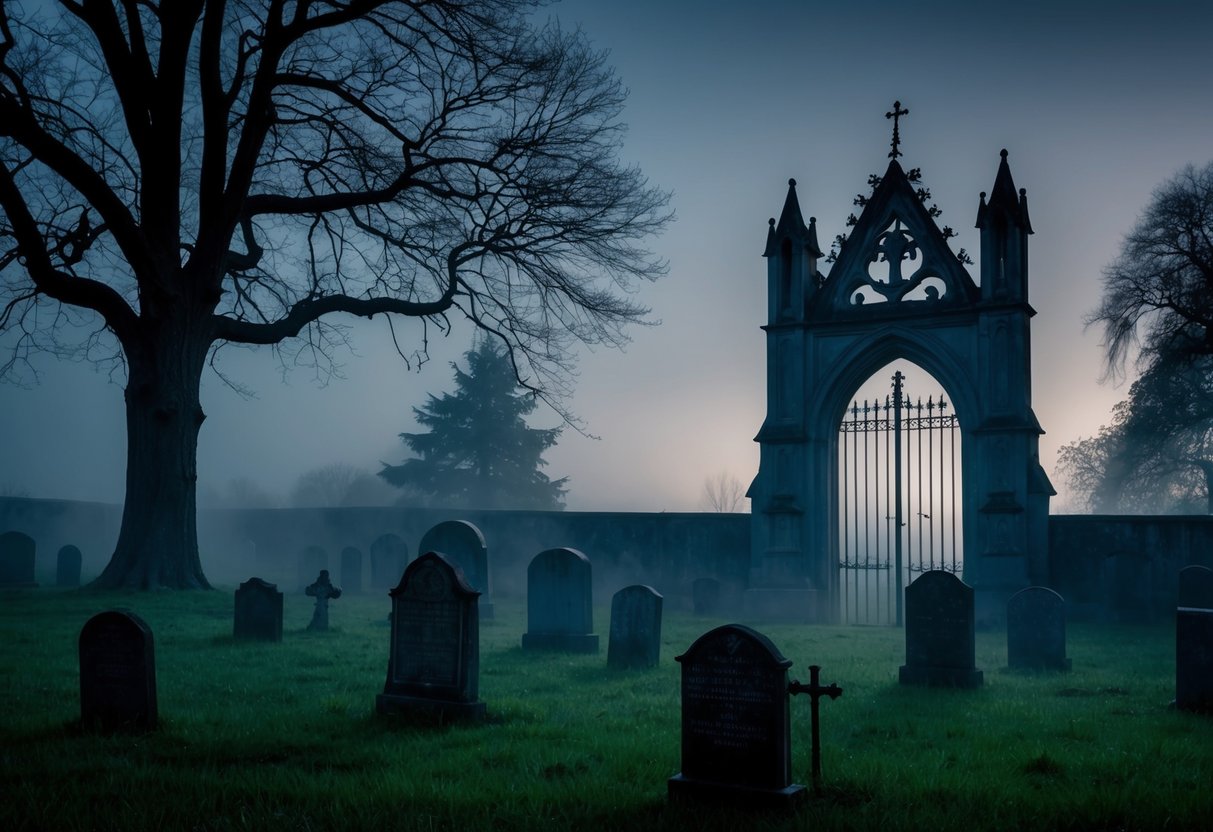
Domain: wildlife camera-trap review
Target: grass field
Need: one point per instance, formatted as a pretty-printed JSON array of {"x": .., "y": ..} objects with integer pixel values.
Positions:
[{"x": 284, "y": 736}]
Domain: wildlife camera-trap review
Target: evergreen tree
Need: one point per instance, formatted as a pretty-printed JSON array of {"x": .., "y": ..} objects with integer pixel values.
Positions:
[{"x": 479, "y": 451}]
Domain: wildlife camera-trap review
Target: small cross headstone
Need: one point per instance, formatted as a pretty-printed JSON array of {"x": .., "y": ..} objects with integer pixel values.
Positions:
[
  {"x": 815, "y": 690},
  {"x": 462, "y": 544},
  {"x": 940, "y": 638},
  {"x": 736, "y": 724},
  {"x": 1196, "y": 587},
  {"x": 705, "y": 596},
  {"x": 16, "y": 560},
  {"x": 351, "y": 570},
  {"x": 67, "y": 567},
  {"x": 559, "y": 603},
  {"x": 323, "y": 591},
  {"x": 389, "y": 557},
  {"x": 635, "y": 641},
  {"x": 117, "y": 673},
  {"x": 1036, "y": 630},
  {"x": 311, "y": 560},
  {"x": 434, "y": 664},
  {"x": 258, "y": 614}
]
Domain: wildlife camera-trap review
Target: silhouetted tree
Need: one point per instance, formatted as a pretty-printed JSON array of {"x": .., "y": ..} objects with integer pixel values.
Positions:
[
  {"x": 479, "y": 451},
  {"x": 339, "y": 484},
  {"x": 722, "y": 492},
  {"x": 176, "y": 176}
]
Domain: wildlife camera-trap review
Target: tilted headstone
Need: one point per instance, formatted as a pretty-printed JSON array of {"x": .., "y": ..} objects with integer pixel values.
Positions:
[
  {"x": 1194, "y": 659},
  {"x": 1036, "y": 630},
  {"x": 434, "y": 664},
  {"x": 258, "y": 615},
  {"x": 462, "y": 544},
  {"x": 67, "y": 566},
  {"x": 323, "y": 591},
  {"x": 117, "y": 673},
  {"x": 351, "y": 570},
  {"x": 940, "y": 639},
  {"x": 311, "y": 560},
  {"x": 1196, "y": 587},
  {"x": 736, "y": 727},
  {"x": 705, "y": 596},
  {"x": 389, "y": 557},
  {"x": 559, "y": 603},
  {"x": 635, "y": 640},
  {"x": 16, "y": 560}
]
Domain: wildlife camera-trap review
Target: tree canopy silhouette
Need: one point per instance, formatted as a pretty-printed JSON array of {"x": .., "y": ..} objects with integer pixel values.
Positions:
[{"x": 177, "y": 176}]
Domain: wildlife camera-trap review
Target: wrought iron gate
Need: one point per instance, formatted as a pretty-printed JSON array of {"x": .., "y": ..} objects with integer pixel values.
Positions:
[{"x": 899, "y": 511}]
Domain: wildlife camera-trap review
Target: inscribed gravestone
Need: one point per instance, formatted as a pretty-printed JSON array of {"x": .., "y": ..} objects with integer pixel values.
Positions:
[
  {"x": 258, "y": 615},
  {"x": 736, "y": 726},
  {"x": 434, "y": 663},
  {"x": 705, "y": 596},
  {"x": 323, "y": 591},
  {"x": 16, "y": 560},
  {"x": 351, "y": 569},
  {"x": 463, "y": 545},
  {"x": 311, "y": 561},
  {"x": 1194, "y": 659},
  {"x": 559, "y": 602},
  {"x": 1036, "y": 630},
  {"x": 940, "y": 640},
  {"x": 389, "y": 557},
  {"x": 117, "y": 673},
  {"x": 67, "y": 566},
  {"x": 635, "y": 640},
  {"x": 1196, "y": 587}
]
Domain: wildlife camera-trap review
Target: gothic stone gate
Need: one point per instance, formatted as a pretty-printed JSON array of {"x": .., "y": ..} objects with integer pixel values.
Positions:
[{"x": 896, "y": 291}]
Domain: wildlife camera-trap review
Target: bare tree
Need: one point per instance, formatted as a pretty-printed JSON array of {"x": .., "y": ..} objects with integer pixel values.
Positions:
[
  {"x": 722, "y": 492},
  {"x": 340, "y": 484},
  {"x": 176, "y": 176}
]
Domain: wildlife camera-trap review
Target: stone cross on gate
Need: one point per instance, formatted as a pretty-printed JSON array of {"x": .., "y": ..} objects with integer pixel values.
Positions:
[
  {"x": 324, "y": 591},
  {"x": 896, "y": 114},
  {"x": 815, "y": 690}
]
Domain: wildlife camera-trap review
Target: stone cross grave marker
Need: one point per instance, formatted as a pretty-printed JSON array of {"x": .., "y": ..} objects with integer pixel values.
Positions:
[
  {"x": 736, "y": 724},
  {"x": 16, "y": 560},
  {"x": 323, "y": 591},
  {"x": 351, "y": 570},
  {"x": 1196, "y": 587},
  {"x": 462, "y": 544},
  {"x": 705, "y": 596},
  {"x": 940, "y": 640},
  {"x": 635, "y": 639},
  {"x": 559, "y": 603},
  {"x": 258, "y": 615},
  {"x": 1194, "y": 659},
  {"x": 312, "y": 559},
  {"x": 815, "y": 690},
  {"x": 117, "y": 673},
  {"x": 389, "y": 557},
  {"x": 67, "y": 566},
  {"x": 434, "y": 663},
  {"x": 1036, "y": 630}
]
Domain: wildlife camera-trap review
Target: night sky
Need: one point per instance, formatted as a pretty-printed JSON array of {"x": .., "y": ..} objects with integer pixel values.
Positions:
[{"x": 1097, "y": 105}]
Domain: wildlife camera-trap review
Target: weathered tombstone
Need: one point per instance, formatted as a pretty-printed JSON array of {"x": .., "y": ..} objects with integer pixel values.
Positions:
[
  {"x": 117, "y": 673},
  {"x": 311, "y": 560},
  {"x": 1036, "y": 630},
  {"x": 67, "y": 566},
  {"x": 258, "y": 614},
  {"x": 351, "y": 570},
  {"x": 389, "y": 557},
  {"x": 434, "y": 664},
  {"x": 1196, "y": 587},
  {"x": 705, "y": 596},
  {"x": 559, "y": 603},
  {"x": 635, "y": 641},
  {"x": 16, "y": 560},
  {"x": 323, "y": 591},
  {"x": 736, "y": 727},
  {"x": 1194, "y": 659},
  {"x": 940, "y": 641},
  {"x": 462, "y": 544}
]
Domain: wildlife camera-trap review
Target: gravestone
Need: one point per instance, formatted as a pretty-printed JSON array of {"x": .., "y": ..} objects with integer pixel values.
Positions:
[
  {"x": 1194, "y": 659},
  {"x": 1196, "y": 587},
  {"x": 351, "y": 570},
  {"x": 323, "y": 591},
  {"x": 117, "y": 673},
  {"x": 559, "y": 603},
  {"x": 1036, "y": 630},
  {"x": 463, "y": 545},
  {"x": 67, "y": 566},
  {"x": 736, "y": 726},
  {"x": 311, "y": 560},
  {"x": 434, "y": 663},
  {"x": 705, "y": 596},
  {"x": 635, "y": 640},
  {"x": 940, "y": 641},
  {"x": 258, "y": 614},
  {"x": 16, "y": 560},
  {"x": 389, "y": 557}
]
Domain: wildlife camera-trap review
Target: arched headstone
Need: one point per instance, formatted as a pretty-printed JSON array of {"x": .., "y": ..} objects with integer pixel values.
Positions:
[
  {"x": 258, "y": 613},
  {"x": 463, "y": 545},
  {"x": 635, "y": 639},
  {"x": 117, "y": 673},
  {"x": 940, "y": 638},
  {"x": 1036, "y": 630},
  {"x": 16, "y": 560},
  {"x": 559, "y": 603},
  {"x": 1195, "y": 587},
  {"x": 67, "y": 566}
]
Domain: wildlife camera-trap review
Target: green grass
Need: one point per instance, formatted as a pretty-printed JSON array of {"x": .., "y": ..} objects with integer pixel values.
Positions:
[{"x": 284, "y": 736}]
